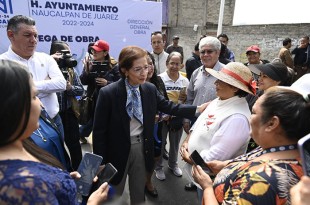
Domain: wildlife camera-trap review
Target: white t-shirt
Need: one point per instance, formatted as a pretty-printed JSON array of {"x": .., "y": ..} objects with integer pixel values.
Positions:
[{"x": 173, "y": 88}]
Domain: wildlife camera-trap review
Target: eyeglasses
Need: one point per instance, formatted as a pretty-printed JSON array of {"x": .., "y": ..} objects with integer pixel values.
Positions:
[
  {"x": 203, "y": 52},
  {"x": 140, "y": 70}
]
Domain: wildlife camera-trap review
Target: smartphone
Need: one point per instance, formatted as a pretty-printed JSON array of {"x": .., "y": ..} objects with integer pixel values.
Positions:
[
  {"x": 88, "y": 169},
  {"x": 107, "y": 173},
  {"x": 197, "y": 159},
  {"x": 304, "y": 150}
]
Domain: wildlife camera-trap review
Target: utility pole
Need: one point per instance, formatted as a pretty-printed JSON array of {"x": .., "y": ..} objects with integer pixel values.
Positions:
[{"x": 221, "y": 15}]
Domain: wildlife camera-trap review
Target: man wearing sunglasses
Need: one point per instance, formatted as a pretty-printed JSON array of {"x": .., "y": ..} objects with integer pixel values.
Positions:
[{"x": 201, "y": 87}]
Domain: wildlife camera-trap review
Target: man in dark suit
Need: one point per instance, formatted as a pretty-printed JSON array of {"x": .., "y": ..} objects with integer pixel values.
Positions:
[{"x": 124, "y": 137}]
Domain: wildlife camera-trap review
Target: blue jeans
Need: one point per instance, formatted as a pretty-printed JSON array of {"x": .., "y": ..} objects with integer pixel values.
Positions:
[
  {"x": 200, "y": 195},
  {"x": 85, "y": 130}
]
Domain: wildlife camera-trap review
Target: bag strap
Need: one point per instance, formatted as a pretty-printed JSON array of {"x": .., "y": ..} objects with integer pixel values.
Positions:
[{"x": 49, "y": 120}]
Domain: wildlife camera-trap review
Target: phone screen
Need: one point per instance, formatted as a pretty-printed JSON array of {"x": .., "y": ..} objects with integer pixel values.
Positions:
[
  {"x": 304, "y": 149},
  {"x": 107, "y": 173},
  {"x": 88, "y": 169},
  {"x": 197, "y": 159}
]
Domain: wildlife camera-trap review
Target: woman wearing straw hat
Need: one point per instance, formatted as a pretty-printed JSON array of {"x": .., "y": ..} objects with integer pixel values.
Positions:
[
  {"x": 265, "y": 175},
  {"x": 222, "y": 131}
]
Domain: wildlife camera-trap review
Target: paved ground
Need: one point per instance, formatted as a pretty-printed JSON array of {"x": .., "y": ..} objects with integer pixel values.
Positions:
[{"x": 171, "y": 191}]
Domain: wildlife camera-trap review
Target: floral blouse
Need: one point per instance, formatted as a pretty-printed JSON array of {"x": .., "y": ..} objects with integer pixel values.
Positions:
[
  {"x": 28, "y": 182},
  {"x": 257, "y": 182}
]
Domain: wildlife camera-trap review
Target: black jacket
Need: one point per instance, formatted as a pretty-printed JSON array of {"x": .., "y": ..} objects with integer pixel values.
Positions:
[{"x": 111, "y": 131}]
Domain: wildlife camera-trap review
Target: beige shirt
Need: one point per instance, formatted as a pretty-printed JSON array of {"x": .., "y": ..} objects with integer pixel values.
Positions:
[{"x": 286, "y": 57}]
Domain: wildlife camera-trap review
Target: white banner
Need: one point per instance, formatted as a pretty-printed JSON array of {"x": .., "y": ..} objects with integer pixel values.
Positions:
[
  {"x": 119, "y": 22},
  {"x": 253, "y": 12}
]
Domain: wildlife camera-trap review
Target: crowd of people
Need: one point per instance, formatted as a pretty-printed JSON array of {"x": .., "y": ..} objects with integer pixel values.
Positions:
[{"x": 244, "y": 119}]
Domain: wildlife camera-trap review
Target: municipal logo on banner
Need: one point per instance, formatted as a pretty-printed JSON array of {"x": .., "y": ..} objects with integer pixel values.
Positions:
[
  {"x": 6, "y": 12},
  {"x": 118, "y": 22},
  {"x": 6, "y": 7}
]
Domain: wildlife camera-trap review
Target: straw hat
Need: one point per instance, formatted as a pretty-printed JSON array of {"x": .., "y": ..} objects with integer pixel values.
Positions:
[{"x": 237, "y": 75}]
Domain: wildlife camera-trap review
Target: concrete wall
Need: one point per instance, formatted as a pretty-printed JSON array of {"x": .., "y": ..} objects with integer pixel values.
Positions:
[{"x": 184, "y": 14}]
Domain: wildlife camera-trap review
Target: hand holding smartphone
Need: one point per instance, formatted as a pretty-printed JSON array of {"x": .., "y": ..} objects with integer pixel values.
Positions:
[
  {"x": 197, "y": 160},
  {"x": 107, "y": 173},
  {"x": 87, "y": 169},
  {"x": 304, "y": 150}
]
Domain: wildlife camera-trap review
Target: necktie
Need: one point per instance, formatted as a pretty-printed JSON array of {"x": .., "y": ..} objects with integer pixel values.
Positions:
[
  {"x": 133, "y": 105},
  {"x": 137, "y": 107}
]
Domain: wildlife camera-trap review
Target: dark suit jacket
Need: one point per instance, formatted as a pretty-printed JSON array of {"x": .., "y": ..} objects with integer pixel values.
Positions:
[{"x": 111, "y": 134}]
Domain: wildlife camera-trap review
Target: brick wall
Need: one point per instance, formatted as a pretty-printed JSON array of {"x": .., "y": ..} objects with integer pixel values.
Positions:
[{"x": 184, "y": 14}]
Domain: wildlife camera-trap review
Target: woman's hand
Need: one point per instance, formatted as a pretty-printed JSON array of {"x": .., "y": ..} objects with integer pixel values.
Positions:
[
  {"x": 75, "y": 175},
  {"x": 184, "y": 153},
  {"x": 202, "y": 107},
  {"x": 186, "y": 127},
  {"x": 99, "y": 196},
  {"x": 202, "y": 178},
  {"x": 101, "y": 81},
  {"x": 300, "y": 193}
]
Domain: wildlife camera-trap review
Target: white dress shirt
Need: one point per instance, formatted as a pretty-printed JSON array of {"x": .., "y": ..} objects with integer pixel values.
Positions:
[{"x": 47, "y": 77}]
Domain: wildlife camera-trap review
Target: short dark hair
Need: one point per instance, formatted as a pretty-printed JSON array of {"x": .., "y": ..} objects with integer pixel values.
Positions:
[
  {"x": 57, "y": 46},
  {"x": 290, "y": 107},
  {"x": 15, "y": 21},
  {"x": 156, "y": 32},
  {"x": 154, "y": 78},
  {"x": 223, "y": 35},
  {"x": 241, "y": 93},
  {"x": 223, "y": 49},
  {"x": 196, "y": 47},
  {"x": 89, "y": 47},
  {"x": 128, "y": 55},
  {"x": 15, "y": 109},
  {"x": 287, "y": 41}
]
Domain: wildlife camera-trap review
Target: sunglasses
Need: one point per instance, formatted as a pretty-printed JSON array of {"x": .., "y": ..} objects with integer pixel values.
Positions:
[{"x": 207, "y": 51}]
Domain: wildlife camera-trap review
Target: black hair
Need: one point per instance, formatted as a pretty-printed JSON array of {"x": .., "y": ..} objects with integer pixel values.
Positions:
[
  {"x": 89, "y": 47},
  {"x": 42, "y": 155},
  {"x": 196, "y": 47},
  {"x": 223, "y": 35},
  {"x": 57, "y": 46},
  {"x": 15, "y": 21},
  {"x": 156, "y": 32},
  {"x": 290, "y": 107},
  {"x": 16, "y": 104},
  {"x": 286, "y": 41},
  {"x": 223, "y": 50},
  {"x": 241, "y": 93},
  {"x": 154, "y": 78}
]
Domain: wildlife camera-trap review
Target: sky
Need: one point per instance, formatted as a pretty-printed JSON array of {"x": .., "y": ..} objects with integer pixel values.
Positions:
[{"x": 254, "y": 12}]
